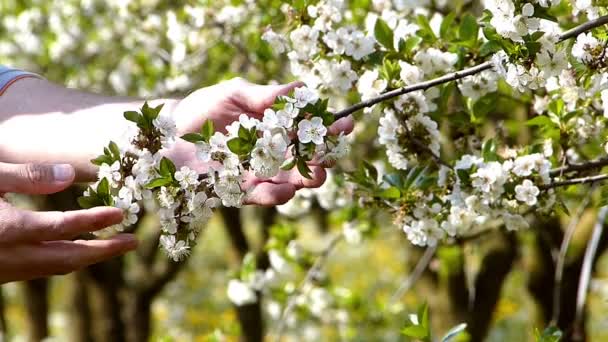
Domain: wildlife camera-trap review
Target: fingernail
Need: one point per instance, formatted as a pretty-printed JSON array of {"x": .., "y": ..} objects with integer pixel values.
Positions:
[{"x": 63, "y": 172}]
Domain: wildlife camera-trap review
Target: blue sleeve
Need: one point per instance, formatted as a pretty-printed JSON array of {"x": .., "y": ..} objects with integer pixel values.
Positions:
[{"x": 9, "y": 75}]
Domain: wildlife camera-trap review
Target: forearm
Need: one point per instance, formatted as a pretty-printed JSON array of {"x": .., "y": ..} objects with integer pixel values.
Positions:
[{"x": 45, "y": 123}]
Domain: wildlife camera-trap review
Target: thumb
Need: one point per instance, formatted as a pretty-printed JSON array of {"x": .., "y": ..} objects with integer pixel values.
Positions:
[
  {"x": 35, "y": 178},
  {"x": 263, "y": 96}
]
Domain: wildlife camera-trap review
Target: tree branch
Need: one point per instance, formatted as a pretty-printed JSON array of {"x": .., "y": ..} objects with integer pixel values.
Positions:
[
  {"x": 413, "y": 277},
  {"x": 561, "y": 259},
  {"x": 590, "y": 165},
  {"x": 590, "y": 253},
  {"x": 582, "y": 180},
  {"x": 458, "y": 74}
]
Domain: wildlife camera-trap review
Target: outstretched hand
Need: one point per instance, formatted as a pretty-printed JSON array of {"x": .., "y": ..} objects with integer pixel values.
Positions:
[
  {"x": 38, "y": 244},
  {"x": 224, "y": 103}
]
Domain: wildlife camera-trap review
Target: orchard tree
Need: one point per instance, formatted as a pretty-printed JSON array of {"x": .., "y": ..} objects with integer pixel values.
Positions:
[{"x": 475, "y": 121}]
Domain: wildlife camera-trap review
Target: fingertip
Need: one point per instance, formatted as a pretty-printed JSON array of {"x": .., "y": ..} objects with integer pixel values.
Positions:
[
  {"x": 269, "y": 194},
  {"x": 343, "y": 125},
  {"x": 319, "y": 176},
  {"x": 107, "y": 216},
  {"x": 128, "y": 241}
]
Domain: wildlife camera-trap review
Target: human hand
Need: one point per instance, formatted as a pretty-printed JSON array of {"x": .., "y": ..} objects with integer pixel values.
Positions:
[
  {"x": 224, "y": 103},
  {"x": 37, "y": 244}
]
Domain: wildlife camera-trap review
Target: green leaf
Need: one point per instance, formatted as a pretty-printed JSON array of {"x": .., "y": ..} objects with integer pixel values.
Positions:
[
  {"x": 151, "y": 113},
  {"x": 167, "y": 168},
  {"x": 87, "y": 202},
  {"x": 550, "y": 334},
  {"x": 289, "y": 164},
  {"x": 455, "y": 331},
  {"x": 394, "y": 179},
  {"x": 464, "y": 176},
  {"x": 102, "y": 160},
  {"x": 541, "y": 121},
  {"x": 115, "y": 150},
  {"x": 425, "y": 31},
  {"x": 413, "y": 177},
  {"x": 468, "y": 30},
  {"x": 370, "y": 170},
  {"x": 239, "y": 146},
  {"x": 489, "y": 48},
  {"x": 133, "y": 117},
  {"x": 249, "y": 266},
  {"x": 103, "y": 188},
  {"x": 483, "y": 106},
  {"x": 446, "y": 31},
  {"x": 384, "y": 34},
  {"x": 488, "y": 150},
  {"x": 193, "y": 137},
  {"x": 207, "y": 130},
  {"x": 158, "y": 182},
  {"x": 410, "y": 43},
  {"x": 415, "y": 331},
  {"x": 391, "y": 193},
  {"x": 304, "y": 169}
]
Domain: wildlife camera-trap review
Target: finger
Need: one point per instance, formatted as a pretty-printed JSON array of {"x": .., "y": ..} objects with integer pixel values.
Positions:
[
  {"x": 318, "y": 176},
  {"x": 262, "y": 97},
  {"x": 24, "y": 262},
  {"x": 269, "y": 194},
  {"x": 35, "y": 178},
  {"x": 343, "y": 125},
  {"x": 27, "y": 226}
]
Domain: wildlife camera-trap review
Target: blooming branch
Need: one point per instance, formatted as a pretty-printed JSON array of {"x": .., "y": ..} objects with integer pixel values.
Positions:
[{"x": 574, "y": 32}]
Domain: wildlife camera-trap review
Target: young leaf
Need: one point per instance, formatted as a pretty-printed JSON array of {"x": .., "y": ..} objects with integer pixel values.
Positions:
[
  {"x": 304, "y": 169},
  {"x": 158, "y": 182},
  {"x": 207, "y": 130},
  {"x": 115, "y": 150},
  {"x": 87, "y": 202},
  {"x": 415, "y": 331},
  {"x": 133, "y": 117},
  {"x": 239, "y": 146},
  {"x": 391, "y": 193},
  {"x": 489, "y": 48},
  {"x": 384, "y": 34},
  {"x": 550, "y": 334},
  {"x": 468, "y": 30},
  {"x": 289, "y": 164},
  {"x": 193, "y": 137},
  {"x": 488, "y": 150},
  {"x": 167, "y": 168},
  {"x": 446, "y": 30},
  {"x": 103, "y": 188},
  {"x": 103, "y": 159},
  {"x": 426, "y": 32}
]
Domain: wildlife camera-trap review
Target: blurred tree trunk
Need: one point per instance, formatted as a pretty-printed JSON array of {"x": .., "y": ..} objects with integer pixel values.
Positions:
[
  {"x": 250, "y": 316},
  {"x": 107, "y": 280},
  {"x": 477, "y": 308},
  {"x": 3, "y": 326},
  {"x": 549, "y": 235},
  {"x": 36, "y": 303},
  {"x": 81, "y": 314},
  {"x": 495, "y": 268}
]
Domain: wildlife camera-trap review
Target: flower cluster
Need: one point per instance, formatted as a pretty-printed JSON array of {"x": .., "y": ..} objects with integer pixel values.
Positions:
[
  {"x": 405, "y": 127},
  {"x": 138, "y": 171},
  {"x": 482, "y": 192},
  {"x": 531, "y": 55}
]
